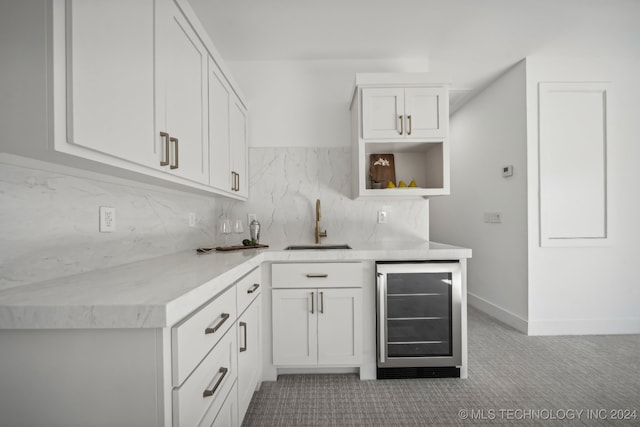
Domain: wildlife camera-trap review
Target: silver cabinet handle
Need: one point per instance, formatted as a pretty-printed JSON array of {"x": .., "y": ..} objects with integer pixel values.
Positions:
[
  {"x": 321, "y": 303},
  {"x": 208, "y": 392},
  {"x": 253, "y": 288},
  {"x": 175, "y": 143},
  {"x": 244, "y": 325},
  {"x": 224, "y": 317},
  {"x": 165, "y": 160},
  {"x": 410, "y": 125},
  {"x": 235, "y": 181},
  {"x": 311, "y": 302},
  {"x": 401, "y": 125},
  {"x": 317, "y": 276}
]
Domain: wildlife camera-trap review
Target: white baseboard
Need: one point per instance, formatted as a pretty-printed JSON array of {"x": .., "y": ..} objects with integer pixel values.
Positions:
[
  {"x": 556, "y": 327},
  {"x": 501, "y": 314},
  {"x": 585, "y": 327}
]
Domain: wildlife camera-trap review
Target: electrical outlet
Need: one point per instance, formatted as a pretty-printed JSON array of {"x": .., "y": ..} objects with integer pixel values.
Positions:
[
  {"x": 382, "y": 217},
  {"x": 107, "y": 219},
  {"x": 192, "y": 219},
  {"x": 251, "y": 217}
]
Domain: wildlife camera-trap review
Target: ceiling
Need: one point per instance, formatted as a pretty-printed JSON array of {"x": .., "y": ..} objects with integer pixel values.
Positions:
[{"x": 473, "y": 41}]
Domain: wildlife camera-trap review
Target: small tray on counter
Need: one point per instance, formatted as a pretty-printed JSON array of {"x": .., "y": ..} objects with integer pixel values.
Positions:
[{"x": 229, "y": 248}]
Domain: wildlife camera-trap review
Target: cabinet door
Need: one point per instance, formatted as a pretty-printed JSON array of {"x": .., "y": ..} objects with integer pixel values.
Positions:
[
  {"x": 181, "y": 74},
  {"x": 294, "y": 325},
  {"x": 339, "y": 326},
  {"x": 219, "y": 153},
  {"x": 110, "y": 92},
  {"x": 426, "y": 112},
  {"x": 228, "y": 415},
  {"x": 249, "y": 360},
  {"x": 239, "y": 148},
  {"x": 383, "y": 113}
]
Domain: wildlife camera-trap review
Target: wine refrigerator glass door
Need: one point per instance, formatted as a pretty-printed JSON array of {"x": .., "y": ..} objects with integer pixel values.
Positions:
[{"x": 419, "y": 314}]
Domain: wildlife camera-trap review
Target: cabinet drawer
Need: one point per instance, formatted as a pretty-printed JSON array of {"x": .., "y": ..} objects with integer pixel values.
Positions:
[
  {"x": 317, "y": 275},
  {"x": 200, "y": 398},
  {"x": 192, "y": 339},
  {"x": 248, "y": 288}
]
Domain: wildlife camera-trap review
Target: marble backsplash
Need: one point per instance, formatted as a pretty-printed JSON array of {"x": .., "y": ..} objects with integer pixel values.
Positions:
[
  {"x": 50, "y": 223},
  {"x": 285, "y": 183},
  {"x": 50, "y": 219}
]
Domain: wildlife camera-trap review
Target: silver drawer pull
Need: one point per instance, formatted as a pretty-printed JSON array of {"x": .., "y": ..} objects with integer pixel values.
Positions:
[
  {"x": 208, "y": 392},
  {"x": 253, "y": 288},
  {"x": 244, "y": 347},
  {"x": 315, "y": 276},
  {"x": 224, "y": 317}
]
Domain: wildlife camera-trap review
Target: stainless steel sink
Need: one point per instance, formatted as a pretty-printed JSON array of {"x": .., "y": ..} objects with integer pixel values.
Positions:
[{"x": 307, "y": 247}]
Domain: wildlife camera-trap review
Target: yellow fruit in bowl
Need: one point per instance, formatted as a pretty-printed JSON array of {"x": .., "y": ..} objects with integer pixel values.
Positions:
[
  {"x": 412, "y": 183},
  {"x": 402, "y": 184},
  {"x": 390, "y": 184}
]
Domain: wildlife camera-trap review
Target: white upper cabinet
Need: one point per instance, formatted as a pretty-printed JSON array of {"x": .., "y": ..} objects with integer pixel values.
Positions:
[
  {"x": 219, "y": 148},
  {"x": 110, "y": 68},
  {"x": 238, "y": 141},
  {"x": 181, "y": 94},
  {"x": 403, "y": 119},
  {"x": 120, "y": 87},
  {"x": 227, "y": 137},
  {"x": 403, "y": 113}
]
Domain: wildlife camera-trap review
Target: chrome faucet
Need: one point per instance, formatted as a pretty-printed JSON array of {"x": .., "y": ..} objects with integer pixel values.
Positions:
[{"x": 319, "y": 233}]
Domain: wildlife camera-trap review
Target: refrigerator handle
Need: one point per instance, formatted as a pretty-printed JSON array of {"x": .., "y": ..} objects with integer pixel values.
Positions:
[{"x": 382, "y": 320}]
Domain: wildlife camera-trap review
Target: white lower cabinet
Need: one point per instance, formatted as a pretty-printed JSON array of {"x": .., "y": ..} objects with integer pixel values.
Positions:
[
  {"x": 249, "y": 355},
  {"x": 191, "y": 374},
  {"x": 228, "y": 414},
  {"x": 319, "y": 325},
  {"x": 206, "y": 389}
]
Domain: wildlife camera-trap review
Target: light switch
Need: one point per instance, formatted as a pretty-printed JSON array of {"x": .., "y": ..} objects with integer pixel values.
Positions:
[
  {"x": 507, "y": 171},
  {"x": 493, "y": 217}
]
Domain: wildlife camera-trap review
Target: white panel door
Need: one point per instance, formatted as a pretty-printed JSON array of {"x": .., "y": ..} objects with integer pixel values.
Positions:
[
  {"x": 219, "y": 144},
  {"x": 426, "y": 112},
  {"x": 572, "y": 164},
  {"x": 339, "y": 326},
  {"x": 383, "y": 113},
  {"x": 181, "y": 73},
  {"x": 249, "y": 355},
  {"x": 110, "y": 92},
  {"x": 294, "y": 323},
  {"x": 238, "y": 139}
]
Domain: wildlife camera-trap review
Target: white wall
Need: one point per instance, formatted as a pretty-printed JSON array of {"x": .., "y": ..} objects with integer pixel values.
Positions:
[
  {"x": 305, "y": 103},
  {"x": 486, "y": 134},
  {"x": 578, "y": 290}
]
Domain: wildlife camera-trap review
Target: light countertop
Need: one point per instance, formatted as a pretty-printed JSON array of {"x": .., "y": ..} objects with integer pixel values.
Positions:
[{"x": 158, "y": 292}]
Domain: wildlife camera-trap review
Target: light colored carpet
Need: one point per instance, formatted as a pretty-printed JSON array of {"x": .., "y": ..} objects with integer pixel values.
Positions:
[{"x": 513, "y": 380}]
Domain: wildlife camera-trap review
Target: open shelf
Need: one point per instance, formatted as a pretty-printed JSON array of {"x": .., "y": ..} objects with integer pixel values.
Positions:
[{"x": 420, "y": 162}]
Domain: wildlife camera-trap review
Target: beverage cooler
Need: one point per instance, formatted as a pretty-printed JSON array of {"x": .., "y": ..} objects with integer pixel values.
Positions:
[{"x": 418, "y": 319}]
